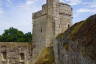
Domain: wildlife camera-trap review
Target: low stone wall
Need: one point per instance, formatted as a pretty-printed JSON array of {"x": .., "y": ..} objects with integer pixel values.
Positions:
[{"x": 15, "y": 52}]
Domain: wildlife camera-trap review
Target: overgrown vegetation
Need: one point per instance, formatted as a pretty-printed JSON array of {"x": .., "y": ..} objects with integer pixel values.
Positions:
[
  {"x": 81, "y": 38},
  {"x": 14, "y": 35},
  {"x": 46, "y": 56},
  {"x": 77, "y": 27}
]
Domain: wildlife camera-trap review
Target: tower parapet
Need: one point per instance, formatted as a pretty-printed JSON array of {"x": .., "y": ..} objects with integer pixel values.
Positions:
[
  {"x": 38, "y": 14},
  {"x": 64, "y": 9}
]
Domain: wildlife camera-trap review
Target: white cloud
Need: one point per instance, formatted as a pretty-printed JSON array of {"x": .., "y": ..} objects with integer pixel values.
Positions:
[
  {"x": 29, "y": 2},
  {"x": 1, "y": 11},
  {"x": 72, "y": 2},
  {"x": 9, "y": 1},
  {"x": 84, "y": 10},
  {"x": 90, "y": 4},
  {"x": 93, "y": 5},
  {"x": 26, "y": 4}
]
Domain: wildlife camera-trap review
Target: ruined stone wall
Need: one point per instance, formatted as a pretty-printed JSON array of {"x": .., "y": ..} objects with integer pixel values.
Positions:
[{"x": 15, "y": 53}]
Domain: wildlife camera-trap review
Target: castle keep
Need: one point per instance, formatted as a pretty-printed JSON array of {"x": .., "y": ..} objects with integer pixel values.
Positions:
[{"x": 53, "y": 19}]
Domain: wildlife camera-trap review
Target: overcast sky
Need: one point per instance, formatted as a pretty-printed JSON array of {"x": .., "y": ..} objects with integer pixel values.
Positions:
[{"x": 18, "y": 13}]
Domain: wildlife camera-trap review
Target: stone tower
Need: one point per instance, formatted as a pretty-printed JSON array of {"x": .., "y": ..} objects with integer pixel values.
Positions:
[{"x": 53, "y": 19}]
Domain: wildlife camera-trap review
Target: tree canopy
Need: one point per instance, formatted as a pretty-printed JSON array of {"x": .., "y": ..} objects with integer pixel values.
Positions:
[{"x": 15, "y": 35}]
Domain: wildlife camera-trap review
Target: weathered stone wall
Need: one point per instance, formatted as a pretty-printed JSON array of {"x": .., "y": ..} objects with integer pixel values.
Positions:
[
  {"x": 39, "y": 34},
  {"x": 69, "y": 52},
  {"x": 78, "y": 44},
  {"x": 15, "y": 53}
]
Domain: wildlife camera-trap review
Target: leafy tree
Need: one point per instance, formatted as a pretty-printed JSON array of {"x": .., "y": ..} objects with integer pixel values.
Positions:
[
  {"x": 28, "y": 37},
  {"x": 0, "y": 37},
  {"x": 14, "y": 35}
]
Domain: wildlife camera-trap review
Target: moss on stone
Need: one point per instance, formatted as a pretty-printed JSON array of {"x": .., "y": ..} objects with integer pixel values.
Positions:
[
  {"x": 66, "y": 46},
  {"x": 77, "y": 27},
  {"x": 46, "y": 56},
  {"x": 81, "y": 38}
]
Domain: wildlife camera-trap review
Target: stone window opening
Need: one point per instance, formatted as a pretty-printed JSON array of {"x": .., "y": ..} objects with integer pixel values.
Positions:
[
  {"x": 41, "y": 29},
  {"x": 4, "y": 56},
  {"x": 68, "y": 26},
  {"x": 59, "y": 25},
  {"x": 22, "y": 57},
  {"x": 22, "y": 63}
]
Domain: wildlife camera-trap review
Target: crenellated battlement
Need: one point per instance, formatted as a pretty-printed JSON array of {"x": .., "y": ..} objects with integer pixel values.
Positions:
[
  {"x": 38, "y": 14},
  {"x": 64, "y": 9}
]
